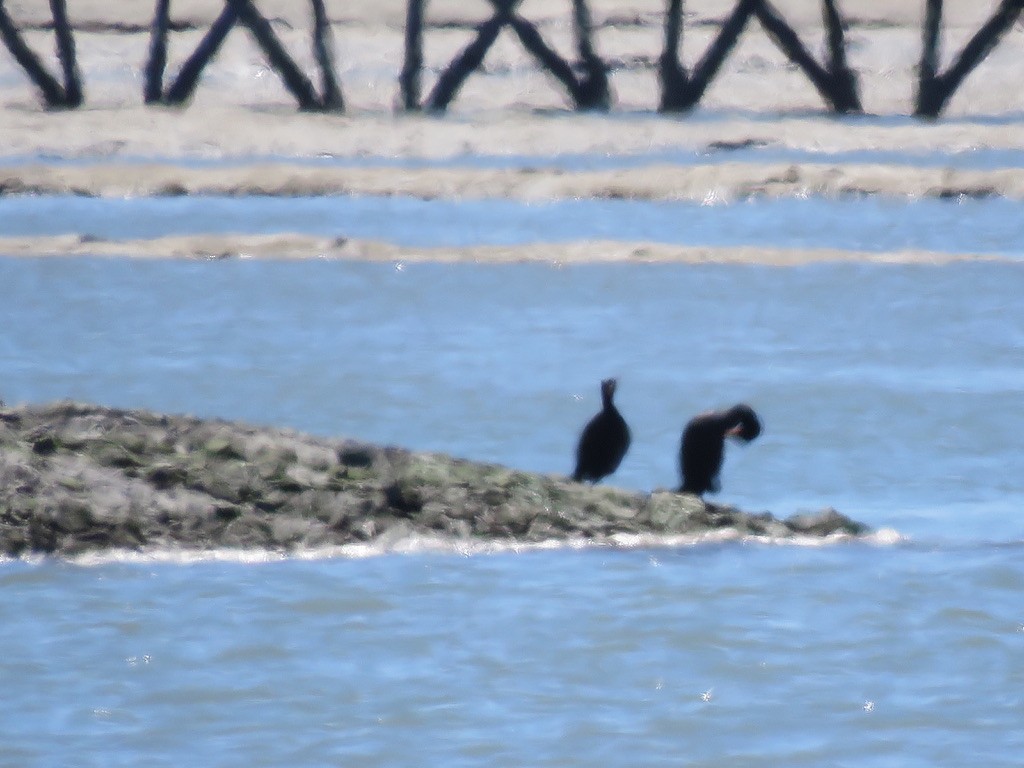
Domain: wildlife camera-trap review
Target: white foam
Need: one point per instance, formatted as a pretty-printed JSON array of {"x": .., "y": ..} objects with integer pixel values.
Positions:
[
  {"x": 886, "y": 537},
  {"x": 411, "y": 544}
]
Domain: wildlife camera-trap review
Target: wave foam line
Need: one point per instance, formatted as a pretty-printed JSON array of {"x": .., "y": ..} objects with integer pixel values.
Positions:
[{"x": 420, "y": 544}]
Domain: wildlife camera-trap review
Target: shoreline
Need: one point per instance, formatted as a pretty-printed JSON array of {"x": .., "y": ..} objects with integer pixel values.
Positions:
[{"x": 78, "y": 479}]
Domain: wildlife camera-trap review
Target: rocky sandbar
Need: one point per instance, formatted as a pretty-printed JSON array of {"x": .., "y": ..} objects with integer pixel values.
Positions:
[{"x": 78, "y": 478}]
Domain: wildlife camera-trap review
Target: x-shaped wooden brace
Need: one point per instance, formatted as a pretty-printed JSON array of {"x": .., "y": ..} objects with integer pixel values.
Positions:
[
  {"x": 244, "y": 12},
  {"x": 936, "y": 88},
  {"x": 588, "y": 92},
  {"x": 55, "y": 94},
  {"x": 835, "y": 81}
]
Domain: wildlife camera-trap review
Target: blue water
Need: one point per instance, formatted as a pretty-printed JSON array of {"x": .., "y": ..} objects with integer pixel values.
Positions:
[
  {"x": 978, "y": 158},
  {"x": 838, "y": 657},
  {"x": 892, "y": 392},
  {"x": 990, "y": 226}
]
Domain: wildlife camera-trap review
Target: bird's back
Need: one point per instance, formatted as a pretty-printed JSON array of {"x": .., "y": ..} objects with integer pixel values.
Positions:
[
  {"x": 602, "y": 446},
  {"x": 700, "y": 456}
]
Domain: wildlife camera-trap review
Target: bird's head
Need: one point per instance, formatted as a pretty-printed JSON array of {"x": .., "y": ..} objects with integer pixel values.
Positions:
[
  {"x": 608, "y": 388},
  {"x": 746, "y": 424}
]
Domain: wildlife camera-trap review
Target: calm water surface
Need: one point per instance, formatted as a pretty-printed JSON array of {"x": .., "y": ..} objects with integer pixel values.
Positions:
[
  {"x": 976, "y": 158},
  {"x": 891, "y": 392},
  {"x": 719, "y": 656},
  {"x": 991, "y": 226},
  {"x": 885, "y": 389}
]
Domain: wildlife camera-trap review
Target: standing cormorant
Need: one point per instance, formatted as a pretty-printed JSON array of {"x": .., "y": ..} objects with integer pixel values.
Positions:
[
  {"x": 604, "y": 440},
  {"x": 703, "y": 445}
]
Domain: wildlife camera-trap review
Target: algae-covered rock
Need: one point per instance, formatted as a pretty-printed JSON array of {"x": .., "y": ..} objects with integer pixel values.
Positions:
[
  {"x": 76, "y": 477},
  {"x": 827, "y": 522}
]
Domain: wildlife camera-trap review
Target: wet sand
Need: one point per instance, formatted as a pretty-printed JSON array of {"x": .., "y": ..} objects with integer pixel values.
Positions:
[
  {"x": 298, "y": 247},
  {"x": 723, "y": 182}
]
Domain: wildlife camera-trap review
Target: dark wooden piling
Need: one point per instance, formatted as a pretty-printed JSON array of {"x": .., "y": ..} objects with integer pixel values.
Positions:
[
  {"x": 585, "y": 80},
  {"x": 844, "y": 79},
  {"x": 929, "y": 66},
  {"x": 671, "y": 72},
  {"x": 157, "y": 62},
  {"x": 185, "y": 83},
  {"x": 934, "y": 88},
  {"x": 587, "y": 92},
  {"x": 545, "y": 55},
  {"x": 834, "y": 81},
  {"x": 245, "y": 13},
  {"x": 297, "y": 84},
  {"x": 51, "y": 90},
  {"x": 462, "y": 66},
  {"x": 331, "y": 98},
  {"x": 55, "y": 95},
  {"x": 66, "y": 54},
  {"x": 837, "y": 88},
  {"x": 689, "y": 90},
  {"x": 592, "y": 90},
  {"x": 412, "y": 66},
  {"x": 708, "y": 66}
]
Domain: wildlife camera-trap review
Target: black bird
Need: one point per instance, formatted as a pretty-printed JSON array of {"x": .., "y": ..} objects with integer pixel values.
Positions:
[
  {"x": 604, "y": 440},
  {"x": 703, "y": 445}
]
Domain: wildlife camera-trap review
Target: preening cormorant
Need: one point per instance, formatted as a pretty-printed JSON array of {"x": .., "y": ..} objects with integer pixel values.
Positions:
[
  {"x": 703, "y": 445},
  {"x": 604, "y": 440}
]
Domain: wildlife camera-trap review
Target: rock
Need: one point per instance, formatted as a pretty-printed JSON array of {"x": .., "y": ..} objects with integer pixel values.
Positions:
[
  {"x": 73, "y": 516},
  {"x": 76, "y": 478},
  {"x": 827, "y": 522},
  {"x": 44, "y": 445},
  {"x": 676, "y": 512}
]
